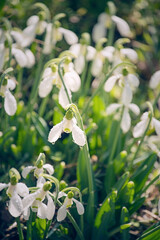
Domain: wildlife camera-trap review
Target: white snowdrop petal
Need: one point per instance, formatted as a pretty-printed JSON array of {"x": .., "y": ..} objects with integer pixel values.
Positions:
[
  {"x": 22, "y": 189},
  {"x": 78, "y": 136},
  {"x": 72, "y": 80},
  {"x": 156, "y": 124},
  {"x": 102, "y": 18},
  {"x": 2, "y": 55},
  {"x": 18, "y": 36},
  {"x": 2, "y": 186},
  {"x": 49, "y": 168},
  {"x": 75, "y": 49},
  {"x": 155, "y": 80},
  {"x": 50, "y": 208},
  {"x": 112, "y": 108},
  {"x": 29, "y": 199},
  {"x": 79, "y": 205},
  {"x": 133, "y": 80},
  {"x": 42, "y": 210},
  {"x": 122, "y": 26},
  {"x": 29, "y": 34},
  {"x": 41, "y": 180},
  {"x": 11, "y": 84},
  {"x": 79, "y": 63},
  {"x": 109, "y": 84},
  {"x": 130, "y": 53},
  {"x": 91, "y": 51},
  {"x": 47, "y": 73},
  {"x": 30, "y": 58},
  {"x": 26, "y": 214},
  {"x": 134, "y": 108},
  {"x": 97, "y": 66},
  {"x": 48, "y": 40},
  {"x": 99, "y": 31},
  {"x": 127, "y": 95},
  {"x": 10, "y": 104},
  {"x": 27, "y": 170},
  {"x": 33, "y": 20},
  {"x": 62, "y": 213},
  {"x": 20, "y": 57},
  {"x": 15, "y": 206},
  {"x": 62, "y": 97},
  {"x": 70, "y": 37},
  {"x": 126, "y": 121},
  {"x": 140, "y": 128},
  {"x": 61, "y": 194},
  {"x": 45, "y": 87},
  {"x": 55, "y": 132}
]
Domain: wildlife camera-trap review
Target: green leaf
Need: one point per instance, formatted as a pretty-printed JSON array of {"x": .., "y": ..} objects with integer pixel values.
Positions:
[
  {"x": 136, "y": 205},
  {"x": 124, "y": 226},
  {"x": 153, "y": 234}
]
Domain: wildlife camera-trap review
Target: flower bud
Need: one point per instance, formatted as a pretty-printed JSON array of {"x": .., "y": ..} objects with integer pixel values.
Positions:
[
  {"x": 125, "y": 72},
  {"x": 14, "y": 176},
  {"x": 62, "y": 185},
  {"x": 85, "y": 39},
  {"x": 41, "y": 15},
  {"x": 54, "y": 68},
  {"x": 5, "y": 81},
  {"x": 40, "y": 161},
  {"x": 67, "y": 60},
  {"x": 69, "y": 114},
  {"x": 57, "y": 24},
  {"x": 70, "y": 195},
  {"x": 47, "y": 186}
]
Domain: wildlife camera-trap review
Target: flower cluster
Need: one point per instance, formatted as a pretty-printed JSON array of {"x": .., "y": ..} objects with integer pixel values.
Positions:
[{"x": 39, "y": 199}]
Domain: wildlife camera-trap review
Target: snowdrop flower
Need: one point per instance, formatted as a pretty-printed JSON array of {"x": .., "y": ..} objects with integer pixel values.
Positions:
[
  {"x": 35, "y": 201},
  {"x": 39, "y": 168},
  {"x": 130, "y": 53},
  {"x": 127, "y": 105},
  {"x": 100, "y": 28},
  {"x": 15, "y": 191},
  {"x": 62, "y": 211},
  {"x": 122, "y": 26},
  {"x": 68, "y": 124},
  {"x": 10, "y": 104},
  {"x": 155, "y": 80},
  {"x": 141, "y": 127}
]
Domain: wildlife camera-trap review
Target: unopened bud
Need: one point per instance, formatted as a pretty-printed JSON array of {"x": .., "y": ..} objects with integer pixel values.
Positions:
[
  {"x": 69, "y": 114},
  {"x": 125, "y": 72},
  {"x": 54, "y": 68},
  {"x": 47, "y": 186},
  {"x": 62, "y": 185},
  {"x": 85, "y": 38},
  {"x": 14, "y": 176},
  {"x": 40, "y": 161},
  {"x": 70, "y": 195}
]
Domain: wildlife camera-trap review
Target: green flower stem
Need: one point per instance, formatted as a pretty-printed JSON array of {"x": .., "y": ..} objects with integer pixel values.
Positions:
[
  {"x": 43, "y": 106},
  {"x": 21, "y": 237},
  {"x": 156, "y": 100},
  {"x": 29, "y": 226},
  {"x": 34, "y": 92},
  {"x": 98, "y": 90},
  {"x": 116, "y": 138},
  {"x": 111, "y": 34},
  {"x": 142, "y": 139},
  {"x": 19, "y": 79},
  {"x": 61, "y": 77},
  {"x": 88, "y": 80}
]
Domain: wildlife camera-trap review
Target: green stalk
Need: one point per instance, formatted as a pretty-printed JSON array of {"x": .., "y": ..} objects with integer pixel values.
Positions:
[
  {"x": 43, "y": 106},
  {"x": 21, "y": 237},
  {"x": 156, "y": 100},
  {"x": 97, "y": 91},
  {"x": 111, "y": 34},
  {"x": 19, "y": 79},
  {"x": 29, "y": 226}
]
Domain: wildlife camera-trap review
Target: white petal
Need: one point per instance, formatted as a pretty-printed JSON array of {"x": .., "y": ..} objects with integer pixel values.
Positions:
[
  {"x": 10, "y": 104},
  {"x": 11, "y": 84},
  {"x": 127, "y": 95},
  {"x": 33, "y": 20},
  {"x": 2, "y": 186},
  {"x": 55, "y": 133},
  {"x": 41, "y": 180},
  {"x": 28, "y": 35},
  {"x": 72, "y": 80},
  {"x": 122, "y": 26},
  {"x": 48, "y": 40},
  {"x": 130, "y": 53},
  {"x": 62, "y": 213},
  {"x": 91, "y": 51},
  {"x": 107, "y": 52},
  {"x": 2, "y": 55},
  {"x": 22, "y": 189},
  {"x": 132, "y": 80},
  {"x": 15, "y": 206},
  {"x": 155, "y": 80},
  {"x": 140, "y": 128},
  {"x": 30, "y": 58},
  {"x": 97, "y": 66},
  {"x": 99, "y": 31},
  {"x": 27, "y": 170},
  {"x": 134, "y": 108},
  {"x": 70, "y": 37},
  {"x": 29, "y": 199},
  {"x": 156, "y": 124},
  {"x": 50, "y": 208},
  {"x": 102, "y": 18},
  {"x": 42, "y": 210},
  {"x": 78, "y": 136},
  {"x": 62, "y": 97},
  {"x": 79, "y": 205},
  {"x": 26, "y": 213},
  {"x": 49, "y": 168},
  {"x": 61, "y": 194},
  {"x": 20, "y": 57},
  {"x": 112, "y": 108},
  {"x": 47, "y": 72},
  {"x": 109, "y": 84},
  {"x": 126, "y": 121},
  {"x": 45, "y": 87},
  {"x": 18, "y": 36},
  {"x": 79, "y": 63},
  {"x": 75, "y": 49}
]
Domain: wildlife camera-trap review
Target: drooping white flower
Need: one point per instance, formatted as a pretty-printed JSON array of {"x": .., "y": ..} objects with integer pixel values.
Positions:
[
  {"x": 68, "y": 124},
  {"x": 15, "y": 191},
  {"x": 62, "y": 211},
  {"x": 129, "y": 53},
  {"x": 155, "y": 80},
  {"x": 141, "y": 127},
  {"x": 122, "y": 26},
  {"x": 100, "y": 28},
  {"x": 10, "y": 104},
  {"x": 35, "y": 201}
]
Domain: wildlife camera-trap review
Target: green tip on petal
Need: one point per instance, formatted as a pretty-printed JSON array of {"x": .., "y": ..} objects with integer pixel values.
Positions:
[{"x": 41, "y": 160}]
